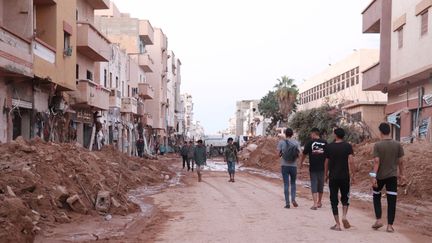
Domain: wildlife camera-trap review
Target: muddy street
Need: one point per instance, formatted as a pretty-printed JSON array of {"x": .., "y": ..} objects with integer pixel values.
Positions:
[{"x": 251, "y": 210}]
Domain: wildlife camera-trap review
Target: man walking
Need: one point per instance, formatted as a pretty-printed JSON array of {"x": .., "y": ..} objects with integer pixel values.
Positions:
[
  {"x": 338, "y": 165},
  {"x": 315, "y": 150},
  {"x": 231, "y": 158},
  {"x": 388, "y": 155},
  {"x": 200, "y": 157},
  {"x": 191, "y": 156},
  {"x": 289, "y": 150},
  {"x": 184, "y": 154}
]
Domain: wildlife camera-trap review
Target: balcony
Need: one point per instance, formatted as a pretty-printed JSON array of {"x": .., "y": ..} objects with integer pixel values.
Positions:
[
  {"x": 372, "y": 79},
  {"x": 148, "y": 119},
  {"x": 129, "y": 105},
  {"x": 146, "y": 63},
  {"x": 115, "y": 99},
  {"x": 44, "y": 2},
  {"x": 92, "y": 95},
  {"x": 145, "y": 91},
  {"x": 91, "y": 43},
  {"x": 15, "y": 55},
  {"x": 146, "y": 32},
  {"x": 99, "y": 4},
  {"x": 372, "y": 17}
]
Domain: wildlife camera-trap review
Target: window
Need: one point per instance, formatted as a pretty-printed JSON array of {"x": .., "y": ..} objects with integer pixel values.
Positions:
[
  {"x": 134, "y": 91},
  {"x": 67, "y": 44},
  {"x": 128, "y": 90},
  {"x": 357, "y": 70},
  {"x": 357, "y": 79},
  {"x": 122, "y": 88},
  {"x": 424, "y": 23},
  {"x": 117, "y": 83},
  {"x": 347, "y": 83},
  {"x": 400, "y": 37},
  {"x": 343, "y": 86},
  {"x": 77, "y": 71},
  {"x": 89, "y": 75},
  {"x": 105, "y": 78},
  {"x": 111, "y": 85},
  {"x": 352, "y": 82}
]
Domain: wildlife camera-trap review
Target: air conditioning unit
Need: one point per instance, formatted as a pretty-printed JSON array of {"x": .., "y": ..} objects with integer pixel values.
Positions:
[{"x": 68, "y": 51}]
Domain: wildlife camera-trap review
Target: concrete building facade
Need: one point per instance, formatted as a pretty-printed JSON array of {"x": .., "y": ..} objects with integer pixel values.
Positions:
[
  {"x": 404, "y": 70},
  {"x": 341, "y": 85},
  {"x": 247, "y": 117}
]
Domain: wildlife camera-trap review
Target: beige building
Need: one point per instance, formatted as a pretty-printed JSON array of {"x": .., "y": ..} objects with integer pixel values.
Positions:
[
  {"x": 341, "y": 85},
  {"x": 37, "y": 63},
  {"x": 174, "y": 116},
  {"x": 247, "y": 117},
  {"x": 404, "y": 70}
]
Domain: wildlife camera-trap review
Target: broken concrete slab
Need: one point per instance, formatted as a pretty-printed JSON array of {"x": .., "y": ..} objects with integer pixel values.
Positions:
[
  {"x": 76, "y": 204},
  {"x": 103, "y": 201}
]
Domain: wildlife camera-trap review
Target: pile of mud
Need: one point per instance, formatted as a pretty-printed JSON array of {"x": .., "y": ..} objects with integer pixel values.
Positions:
[
  {"x": 45, "y": 184},
  {"x": 418, "y": 165}
]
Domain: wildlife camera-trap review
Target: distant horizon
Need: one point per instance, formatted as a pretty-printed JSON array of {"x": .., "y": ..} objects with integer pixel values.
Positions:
[{"x": 240, "y": 56}]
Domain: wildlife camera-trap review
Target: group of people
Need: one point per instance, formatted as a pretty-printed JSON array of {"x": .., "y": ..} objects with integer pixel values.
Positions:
[
  {"x": 334, "y": 163},
  {"x": 198, "y": 155}
]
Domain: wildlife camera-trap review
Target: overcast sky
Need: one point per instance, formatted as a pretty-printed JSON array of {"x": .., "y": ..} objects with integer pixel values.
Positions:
[{"x": 236, "y": 49}]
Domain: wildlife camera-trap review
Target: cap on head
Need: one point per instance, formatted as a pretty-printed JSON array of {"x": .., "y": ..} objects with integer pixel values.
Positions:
[
  {"x": 339, "y": 132},
  {"x": 289, "y": 132},
  {"x": 230, "y": 140},
  {"x": 384, "y": 128}
]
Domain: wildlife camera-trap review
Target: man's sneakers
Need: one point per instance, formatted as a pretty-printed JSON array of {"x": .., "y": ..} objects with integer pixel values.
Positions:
[
  {"x": 295, "y": 204},
  {"x": 287, "y": 206}
]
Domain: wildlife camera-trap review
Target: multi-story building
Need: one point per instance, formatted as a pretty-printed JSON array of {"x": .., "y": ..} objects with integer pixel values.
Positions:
[
  {"x": 247, "y": 117},
  {"x": 186, "y": 99},
  {"x": 37, "y": 63},
  {"x": 404, "y": 70},
  {"x": 91, "y": 99},
  {"x": 341, "y": 85},
  {"x": 174, "y": 111},
  {"x": 148, "y": 46}
]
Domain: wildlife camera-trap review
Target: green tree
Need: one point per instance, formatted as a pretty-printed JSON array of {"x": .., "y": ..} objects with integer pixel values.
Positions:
[
  {"x": 269, "y": 108},
  {"x": 286, "y": 93}
]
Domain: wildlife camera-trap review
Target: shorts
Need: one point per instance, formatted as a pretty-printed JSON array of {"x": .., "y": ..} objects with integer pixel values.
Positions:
[
  {"x": 317, "y": 181},
  {"x": 199, "y": 168}
]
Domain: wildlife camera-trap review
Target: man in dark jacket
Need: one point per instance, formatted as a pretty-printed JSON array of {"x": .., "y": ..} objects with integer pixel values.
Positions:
[
  {"x": 200, "y": 157},
  {"x": 184, "y": 154}
]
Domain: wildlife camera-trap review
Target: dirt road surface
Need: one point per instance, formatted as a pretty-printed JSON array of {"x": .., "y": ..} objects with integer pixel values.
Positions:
[{"x": 251, "y": 210}]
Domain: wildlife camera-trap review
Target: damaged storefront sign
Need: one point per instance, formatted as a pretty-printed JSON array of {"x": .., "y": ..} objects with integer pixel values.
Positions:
[
  {"x": 393, "y": 118},
  {"x": 428, "y": 99},
  {"x": 84, "y": 116},
  {"x": 424, "y": 127}
]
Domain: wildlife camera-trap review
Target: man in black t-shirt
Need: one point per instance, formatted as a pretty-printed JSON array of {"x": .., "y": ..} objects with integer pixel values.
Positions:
[
  {"x": 338, "y": 165},
  {"x": 315, "y": 150}
]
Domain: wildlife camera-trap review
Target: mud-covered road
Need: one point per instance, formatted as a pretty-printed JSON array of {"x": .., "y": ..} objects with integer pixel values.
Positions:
[{"x": 251, "y": 210}]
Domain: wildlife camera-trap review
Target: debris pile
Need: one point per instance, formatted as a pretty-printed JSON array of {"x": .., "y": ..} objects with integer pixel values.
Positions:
[{"x": 44, "y": 184}]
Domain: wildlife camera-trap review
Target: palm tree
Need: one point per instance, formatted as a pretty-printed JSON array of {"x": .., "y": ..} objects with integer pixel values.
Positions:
[{"x": 286, "y": 92}]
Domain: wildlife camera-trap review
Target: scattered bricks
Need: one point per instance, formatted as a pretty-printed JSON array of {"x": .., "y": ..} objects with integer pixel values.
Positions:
[
  {"x": 103, "y": 201},
  {"x": 30, "y": 189},
  {"x": 115, "y": 203},
  {"x": 63, "y": 218},
  {"x": 61, "y": 194},
  {"x": 76, "y": 204},
  {"x": 10, "y": 191}
]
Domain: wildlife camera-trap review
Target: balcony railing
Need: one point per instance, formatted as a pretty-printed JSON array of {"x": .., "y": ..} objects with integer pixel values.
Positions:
[
  {"x": 146, "y": 32},
  {"x": 145, "y": 91},
  {"x": 99, "y": 4},
  {"x": 148, "y": 119},
  {"x": 15, "y": 54},
  {"x": 146, "y": 62},
  {"x": 92, "y": 43},
  {"x": 92, "y": 95},
  {"x": 129, "y": 105},
  {"x": 115, "y": 99},
  {"x": 372, "y": 16}
]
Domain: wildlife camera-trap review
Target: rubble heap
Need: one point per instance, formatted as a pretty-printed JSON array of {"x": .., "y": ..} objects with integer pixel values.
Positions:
[{"x": 44, "y": 184}]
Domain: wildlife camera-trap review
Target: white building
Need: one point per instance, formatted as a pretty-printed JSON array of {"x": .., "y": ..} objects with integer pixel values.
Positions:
[{"x": 247, "y": 117}]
